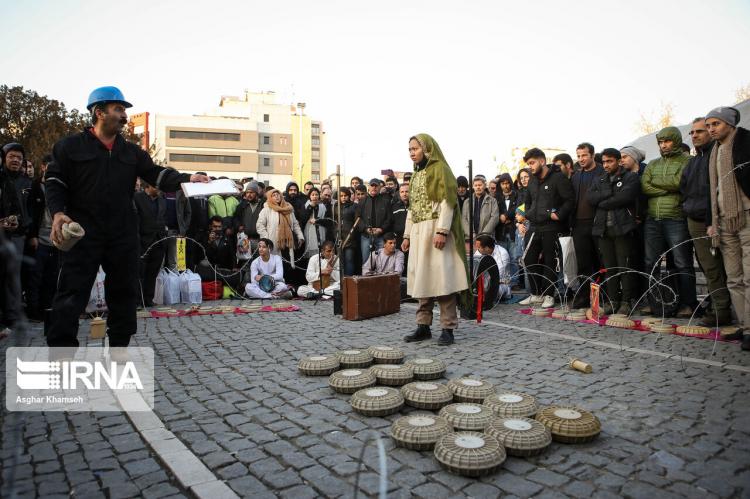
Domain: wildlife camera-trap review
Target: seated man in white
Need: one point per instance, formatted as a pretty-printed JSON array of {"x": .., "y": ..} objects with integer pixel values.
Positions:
[
  {"x": 386, "y": 260},
  {"x": 269, "y": 265},
  {"x": 329, "y": 275}
]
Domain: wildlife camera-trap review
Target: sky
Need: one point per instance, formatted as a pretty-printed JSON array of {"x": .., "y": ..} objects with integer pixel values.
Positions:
[{"x": 481, "y": 77}]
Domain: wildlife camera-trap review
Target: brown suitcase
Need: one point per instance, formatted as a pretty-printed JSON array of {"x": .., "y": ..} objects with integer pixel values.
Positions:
[{"x": 371, "y": 296}]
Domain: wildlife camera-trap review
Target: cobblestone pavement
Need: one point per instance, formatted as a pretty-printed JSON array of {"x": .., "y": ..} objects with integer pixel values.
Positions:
[{"x": 675, "y": 418}]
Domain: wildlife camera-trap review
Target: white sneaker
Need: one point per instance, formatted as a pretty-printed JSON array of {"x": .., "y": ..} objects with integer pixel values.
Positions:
[
  {"x": 548, "y": 302},
  {"x": 531, "y": 300}
]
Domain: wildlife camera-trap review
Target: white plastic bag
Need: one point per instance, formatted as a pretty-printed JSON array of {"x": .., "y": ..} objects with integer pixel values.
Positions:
[
  {"x": 243, "y": 247},
  {"x": 190, "y": 288},
  {"x": 171, "y": 288},
  {"x": 97, "y": 302},
  {"x": 159, "y": 287},
  {"x": 569, "y": 260}
]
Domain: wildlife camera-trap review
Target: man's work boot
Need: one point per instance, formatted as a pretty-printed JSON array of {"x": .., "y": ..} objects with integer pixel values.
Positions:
[
  {"x": 422, "y": 333},
  {"x": 745, "y": 342},
  {"x": 711, "y": 320},
  {"x": 446, "y": 338}
]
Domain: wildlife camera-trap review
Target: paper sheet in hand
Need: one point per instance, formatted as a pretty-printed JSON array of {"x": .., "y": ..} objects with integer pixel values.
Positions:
[{"x": 221, "y": 186}]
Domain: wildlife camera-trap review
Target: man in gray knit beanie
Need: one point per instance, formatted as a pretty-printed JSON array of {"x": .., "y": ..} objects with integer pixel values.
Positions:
[{"x": 632, "y": 157}]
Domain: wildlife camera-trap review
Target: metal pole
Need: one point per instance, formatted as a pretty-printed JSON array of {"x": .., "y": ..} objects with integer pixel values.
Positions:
[{"x": 471, "y": 223}]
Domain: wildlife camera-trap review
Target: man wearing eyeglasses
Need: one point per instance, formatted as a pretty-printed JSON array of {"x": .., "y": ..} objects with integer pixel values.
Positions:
[{"x": 695, "y": 191}]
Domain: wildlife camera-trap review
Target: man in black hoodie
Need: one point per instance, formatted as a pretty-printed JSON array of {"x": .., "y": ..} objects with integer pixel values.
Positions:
[
  {"x": 695, "y": 191},
  {"x": 296, "y": 199},
  {"x": 549, "y": 203}
]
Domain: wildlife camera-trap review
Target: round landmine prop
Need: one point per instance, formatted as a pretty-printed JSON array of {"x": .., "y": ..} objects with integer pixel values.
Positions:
[
  {"x": 512, "y": 405},
  {"x": 467, "y": 417},
  {"x": 570, "y": 425},
  {"x": 618, "y": 316},
  {"x": 419, "y": 431},
  {"x": 469, "y": 453},
  {"x": 576, "y": 315},
  {"x": 386, "y": 355},
  {"x": 426, "y": 369},
  {"x": 318, "y": 365},
  {"x": 658, "y": 327},
  {"x": 522, "y": 437},
  {"x": 377, "y": 401},
  {"x": 426, "y": 395},
  {"x": 560, "y": 313},
  {"x": 647, "y": 321},
  {"x": 693, "y": 330},
  {"x": 251, "y": 308},
  {"x": 541, "y": 312},
  {"x": 226, "y": 308},
  {"x": 392, "y": 374},
  {"x": 470, "y": 390},
  {"x": 351, "y": 380},
  {"x": 621, "y": 322},
  {"x": 352, "y": 359}
]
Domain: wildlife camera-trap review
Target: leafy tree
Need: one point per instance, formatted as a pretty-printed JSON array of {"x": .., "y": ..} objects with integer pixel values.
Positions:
[
  {"x": 742, "y": 94},
  {"x": 37, "y": 121},
  {"x": 650, "y": 124}
]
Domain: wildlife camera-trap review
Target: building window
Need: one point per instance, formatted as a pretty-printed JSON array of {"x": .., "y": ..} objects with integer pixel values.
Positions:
[
  {"x": 283, "y": 141},
  {"x": 266, "y": 118},
  {"x": 266, "y": 140},
  {"x": 315, "y": 176},
  {"x": 184, "y": 134},
  {"x": 315, "y": 128},
  {"x": 315, "y": 153},
  {"x": 204, "y": 158},
  {"x": 315, "y": 141},
  {"x": 266, "y": 161},
  {"x": 283, "y": 163}
]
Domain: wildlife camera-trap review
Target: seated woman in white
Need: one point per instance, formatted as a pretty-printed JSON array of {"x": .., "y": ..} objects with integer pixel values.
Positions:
[
  {"x": 330, "y": 273},
  {"x": 270, "y": 265}
]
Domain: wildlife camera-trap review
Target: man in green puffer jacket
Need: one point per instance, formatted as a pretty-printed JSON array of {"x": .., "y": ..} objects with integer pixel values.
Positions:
[{"x": 665, "y": 226}]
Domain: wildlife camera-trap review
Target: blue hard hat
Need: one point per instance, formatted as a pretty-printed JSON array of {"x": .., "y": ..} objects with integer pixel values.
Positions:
[{"x": 106, "y": 94}]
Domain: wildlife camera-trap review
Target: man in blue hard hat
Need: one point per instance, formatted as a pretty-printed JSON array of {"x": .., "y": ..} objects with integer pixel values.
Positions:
[{"x": 91, "y": 182}]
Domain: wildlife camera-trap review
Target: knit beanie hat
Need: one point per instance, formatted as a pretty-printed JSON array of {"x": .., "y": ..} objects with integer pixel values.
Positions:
[
  {"x": 728, "y": 115},
  {"x": 635, "y": 153}
]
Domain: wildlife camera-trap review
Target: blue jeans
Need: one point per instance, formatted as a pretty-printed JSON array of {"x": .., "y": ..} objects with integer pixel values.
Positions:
[
  {"x": 514, "y": 251},
  {"x": 365, "y": 245},
  {"x": 660, "y": 236}
]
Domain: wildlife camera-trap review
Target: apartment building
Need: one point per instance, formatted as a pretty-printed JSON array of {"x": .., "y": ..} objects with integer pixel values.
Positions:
[{"x": 247, "y": 136}]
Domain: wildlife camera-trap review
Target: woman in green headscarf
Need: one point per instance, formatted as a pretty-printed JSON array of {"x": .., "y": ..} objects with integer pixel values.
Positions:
[{"x": 437, "y": 264}]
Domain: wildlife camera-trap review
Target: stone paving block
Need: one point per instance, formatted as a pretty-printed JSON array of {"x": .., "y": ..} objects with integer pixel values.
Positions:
[
  {"x": 159, "y": 491},
  {"x": 123, "y": 490},
  {"x": 187, "y": 468},
  {"x": 432, "y": 490},
  {"x": 149, "y": 479},
  {"x": 217, "y": 459},
  {"x": 212, "y": 490},
  {"x": 283, "y": 479},
  {"x": 516, "y": 485},
  {"x": 264, "y": 467},
  {"x": 547, "y": 477}
]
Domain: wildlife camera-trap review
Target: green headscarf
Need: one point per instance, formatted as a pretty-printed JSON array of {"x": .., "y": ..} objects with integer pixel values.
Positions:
[{"x": 441, "y": 185}]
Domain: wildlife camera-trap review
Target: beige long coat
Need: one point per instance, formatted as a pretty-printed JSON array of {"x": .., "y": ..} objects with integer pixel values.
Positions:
[
  {"x": 433, "y": 272},
  {"x": 268, "y": 227}
]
